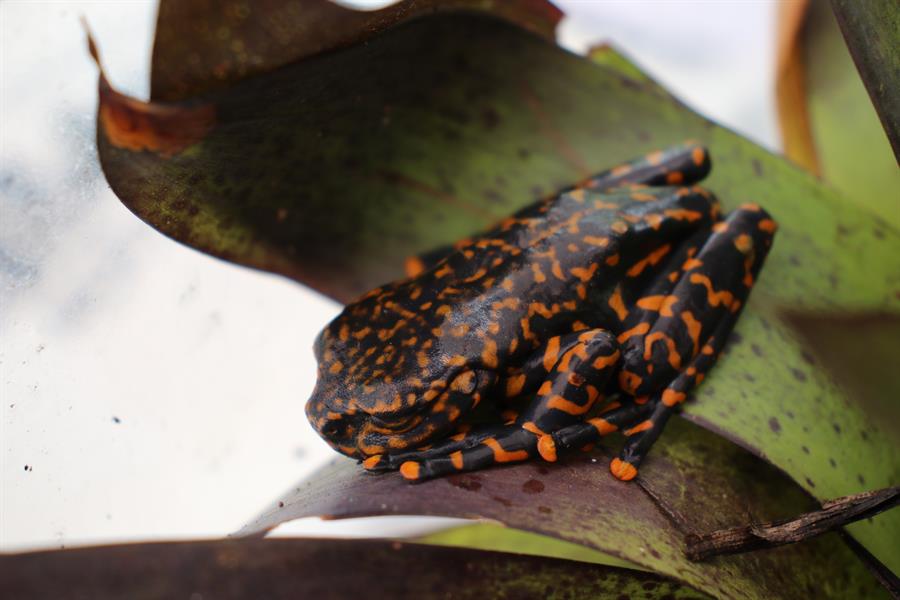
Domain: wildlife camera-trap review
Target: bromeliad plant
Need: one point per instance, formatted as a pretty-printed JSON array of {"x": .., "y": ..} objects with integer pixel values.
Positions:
[{"x": 328, "y": 145}]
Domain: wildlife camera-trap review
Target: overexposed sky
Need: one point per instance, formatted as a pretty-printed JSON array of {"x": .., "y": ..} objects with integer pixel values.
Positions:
[{"x": 149, "y": 391}]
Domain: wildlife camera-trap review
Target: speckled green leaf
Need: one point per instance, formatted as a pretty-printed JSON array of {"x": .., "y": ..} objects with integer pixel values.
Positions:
[
  {"x": 695, "y": 482},
  {"x": 327, "y": 569},
  {"x": 849, "y": 145},
  {"x": 333, "y": 169}
]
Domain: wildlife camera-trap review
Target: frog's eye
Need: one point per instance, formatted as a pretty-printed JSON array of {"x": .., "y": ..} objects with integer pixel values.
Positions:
[{"x": 465, "y": 382}]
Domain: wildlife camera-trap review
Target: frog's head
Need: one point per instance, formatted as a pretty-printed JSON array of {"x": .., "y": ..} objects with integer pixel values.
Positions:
[{"x": 388, "y": 378}]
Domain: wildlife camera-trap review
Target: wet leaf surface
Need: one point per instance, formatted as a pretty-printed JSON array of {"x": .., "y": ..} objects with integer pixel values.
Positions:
[
  {"x": 827, "y": 120},
  {"x": 305, "y": 568},
  {"x": 871, "y": 30},
  {"x": 333, "y": 169},
  {"x": 704, "y": 482}
]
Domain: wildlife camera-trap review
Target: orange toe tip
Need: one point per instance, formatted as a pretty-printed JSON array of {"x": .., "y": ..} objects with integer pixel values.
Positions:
[
  {"x": 372, "y": 461},
  {"x": 410, "y": 470},
  {"x": 547, "y": 448},
  {"x": 622, "y": 470}
]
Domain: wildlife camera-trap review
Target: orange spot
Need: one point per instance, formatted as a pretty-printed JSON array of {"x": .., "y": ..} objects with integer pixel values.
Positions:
[
  {"x": 768, "y": 225},
  {"x": 663, "y": 304},
  {"x": 459, "y": 330},
  {"x": 751, "y": 206},
  {"x": 612, "y": 260},
  {"x": 372, "y": 461},
  {"x": 651, "y": 259},
  {"x": 556, "y": 269},
  {"x": 456, "y": 361},
  {"x": 619, "y": 227},
  {"x": 616, "y": 303},
  {"x": 529, "y": 426},
  {"x": 691, "y": 371},
  {"x": 576, "y": 379},
  {"x": 643, "y": 426},
  {"x": 715, "y": 298},
  {"x": 581, "y": 290},
  {"x": 641, "y": 197},
  {"x": 504, "y": 456},
  {"x": 602, "y": 426},
  {"x": 547, "y": 448},
  {"x": 336, "y": 367},
  {"x": 693, "y": 328},
  {"x": 539, "y": 276},
  {"x": 413, "y": 266},
  {"x": 622, "y": 470},
  {"x": 410, "y": 470},
  {"x": 744, "y": 243},
  {"x": 683, "y": 214},
  {"x": 708, "y": 350},
  {"x": 567, "y": 406},
  {"x": 545, "y": 388},
  {"x": 443, "y": 271},
  {"x": 654, "y": 158},
  {"x": 514, "y": 385},
  {"x": 691, "y": 263},
  {"x": 674, "y": 178},
  {"x": 551, "y": 353},
  {"x": 489, "y": 354},
  {"x": 603, "y": 362},
  {"x": 671, "y": 397},
  {"x": 698, "y": 156},
  {"x": 457, "y": 460},
  {"x": 639, "y": 329},
  {"x": 620, "y": 170},
  {"x": 579, "y": 326},
  {"x": 587, "y": 447},
  {"x": 653, "y": 220},
  {"x": 596, "y": 241},
  {"x": 720, "y": 227},
  {"x": 584, "y": 274},
  {"x": 674, "y": 357}
]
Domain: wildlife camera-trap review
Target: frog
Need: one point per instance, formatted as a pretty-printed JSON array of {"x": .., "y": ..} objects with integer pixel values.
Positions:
[{"x": 596, "y": 310}]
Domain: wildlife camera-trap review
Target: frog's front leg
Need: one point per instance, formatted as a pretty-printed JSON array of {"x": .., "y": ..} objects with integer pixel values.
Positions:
[
  {"x": 575, "y": 368},
  {"x": 672, "y": 337}
]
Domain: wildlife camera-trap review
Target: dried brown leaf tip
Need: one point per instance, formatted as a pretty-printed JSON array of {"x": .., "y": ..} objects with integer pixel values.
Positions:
[{"x": 162, "y": 128}]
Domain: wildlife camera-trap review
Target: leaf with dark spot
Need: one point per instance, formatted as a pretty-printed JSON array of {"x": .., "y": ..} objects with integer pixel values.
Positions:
[{"x": 695, "y": 482}]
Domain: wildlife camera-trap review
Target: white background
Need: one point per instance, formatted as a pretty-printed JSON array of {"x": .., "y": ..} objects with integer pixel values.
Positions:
[{"x": 149, "y": 391}]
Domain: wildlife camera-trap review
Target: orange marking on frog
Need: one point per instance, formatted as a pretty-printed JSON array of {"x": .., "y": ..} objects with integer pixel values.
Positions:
[
  {"x": 529, "y": 426},
  {"x": 551, "y": 353},
  {"x": 579, "y": 326},
  {"x": 674, "y": 178},
  {"x": 545, "y": 388},
  {"x": 539, "y": 276},
  {"x": 638, "y": 329},
  {"x": 410, "y": 470},
  {"x": 602, "y": 426},
  {"x": 594, "y": 240},
  {"x": 617, "y": 304},
  {"x": 694, "y": 328},
  {"x": 641, "y": 197},
  {"x": 661, "y": 304},
  {"x": 413, "y": 266},
  {"x": 583, "y": 274},
  {"x": 768, "y": 225},
  {"x": 674, "y": 357},
  {"x": 714, "y": 297},
  {"x": 503, "y": 456},
  {"x": 456, "y": 459},
  {"x": 489, "y": 354},
  {"x": 622, "y": 470},
  {"x": 744, "y": 243},
  {"x": 698, "y": 156},
  {"x": 612, "y": 260},
  {"x": 603, "y": 362},
  {"x": 670, "y": 397},
  {"x": 547, "y": 448},
  {"x": 372, "y": 461},
  {"x": 651, "y": 259},
  {"x": 336, "y": 367},
  {"x": 683, "y": 214},
  {"x": 514, "y": 385},
  {"x": 642, "y": 426}
]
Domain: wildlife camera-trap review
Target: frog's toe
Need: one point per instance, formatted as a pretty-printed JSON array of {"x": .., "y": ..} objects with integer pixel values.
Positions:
[
  {"x": 378, "y": 463},
  {"x": 624, "y": 471}
]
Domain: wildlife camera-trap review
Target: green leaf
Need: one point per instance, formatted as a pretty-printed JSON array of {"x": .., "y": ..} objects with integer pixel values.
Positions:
[
  {"x": 298, "y": 568},
  {"x": 332, "y": 170},
  {"x": 871, "y": 30},
  {"x": 695, "y": 482},
  {"x": 820, "y": 85}
]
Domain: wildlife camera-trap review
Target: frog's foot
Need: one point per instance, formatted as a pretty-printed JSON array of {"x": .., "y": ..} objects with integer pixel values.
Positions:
[
  {"x": 513, "y": 444},
  {"x": 382, "y": 463}
]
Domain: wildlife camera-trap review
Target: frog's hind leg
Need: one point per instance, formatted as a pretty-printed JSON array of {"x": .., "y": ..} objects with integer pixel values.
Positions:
[
  {"x": 677, "y": 341},
  {"x": 684, "y": 164},
  {"x": 577, "y": 366}
]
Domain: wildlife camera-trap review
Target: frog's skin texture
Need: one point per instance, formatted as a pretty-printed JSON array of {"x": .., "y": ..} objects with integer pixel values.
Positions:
[{"x": 625, "y": 287}]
